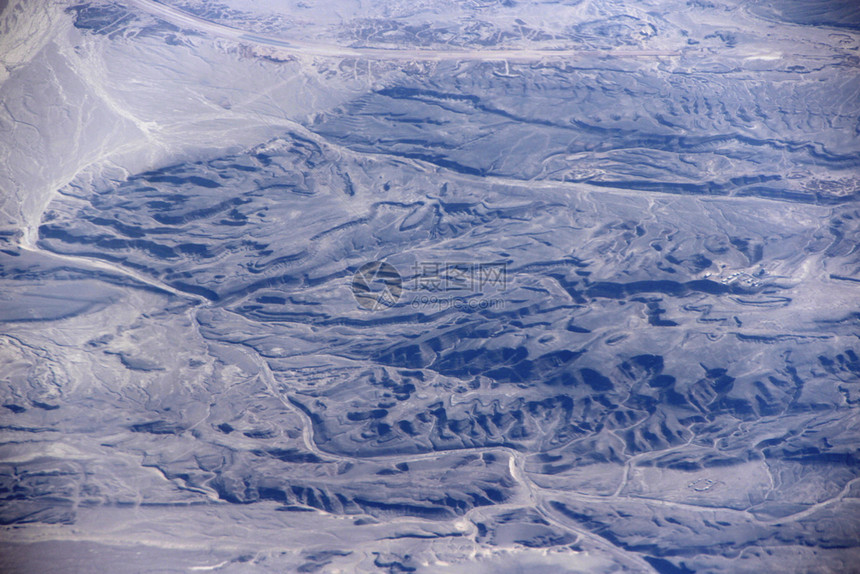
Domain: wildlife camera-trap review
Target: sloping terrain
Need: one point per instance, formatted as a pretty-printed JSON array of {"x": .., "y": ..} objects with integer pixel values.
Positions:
[{"x": 624, "y": 331}]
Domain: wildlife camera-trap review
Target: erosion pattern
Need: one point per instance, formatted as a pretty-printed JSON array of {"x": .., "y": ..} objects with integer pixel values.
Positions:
[{"x": 661, "y": 373}]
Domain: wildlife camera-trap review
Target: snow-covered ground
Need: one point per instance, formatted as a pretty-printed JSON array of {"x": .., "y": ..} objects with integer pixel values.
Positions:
[{"x": 617, "y": 327}]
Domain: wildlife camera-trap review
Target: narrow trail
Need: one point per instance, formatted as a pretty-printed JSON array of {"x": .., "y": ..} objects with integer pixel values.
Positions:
[{"x": 102, "y": 265}]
